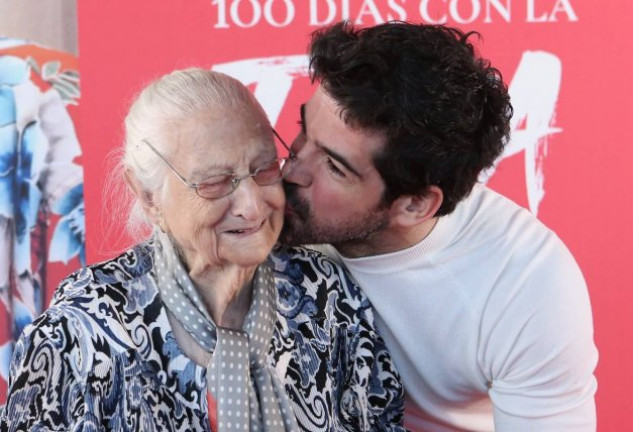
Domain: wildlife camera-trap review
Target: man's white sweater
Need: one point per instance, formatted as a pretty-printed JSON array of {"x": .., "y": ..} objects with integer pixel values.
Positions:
[{"x": 489, "y": 322}]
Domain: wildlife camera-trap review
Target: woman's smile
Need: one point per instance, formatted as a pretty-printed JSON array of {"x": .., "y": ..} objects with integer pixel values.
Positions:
[{"x": 246, "y": 231}]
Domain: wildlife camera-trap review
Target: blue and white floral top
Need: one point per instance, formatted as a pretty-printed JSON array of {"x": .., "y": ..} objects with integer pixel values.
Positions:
[{"x": 103, "y": 355}]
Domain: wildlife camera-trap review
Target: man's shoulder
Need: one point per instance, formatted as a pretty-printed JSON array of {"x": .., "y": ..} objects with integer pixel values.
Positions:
[
  {"x": 490, "y": 214},
  {"x": 484, "y": 199}
]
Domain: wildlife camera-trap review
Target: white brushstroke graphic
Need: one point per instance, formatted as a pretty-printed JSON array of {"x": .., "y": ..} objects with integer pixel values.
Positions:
[{"x": 534, "y": 93}]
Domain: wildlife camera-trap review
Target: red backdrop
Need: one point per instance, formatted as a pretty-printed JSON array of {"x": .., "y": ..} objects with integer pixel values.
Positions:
[{"x": 566, "y": 62}]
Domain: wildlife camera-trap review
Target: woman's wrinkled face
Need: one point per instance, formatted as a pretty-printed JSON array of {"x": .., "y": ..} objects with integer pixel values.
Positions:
[{"x": 240, "y": 228}]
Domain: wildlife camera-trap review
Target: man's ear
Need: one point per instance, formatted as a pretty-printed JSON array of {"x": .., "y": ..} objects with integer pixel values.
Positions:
[
  {"x": 412, "y": 210},
  {"x": 146, "y": 198}
]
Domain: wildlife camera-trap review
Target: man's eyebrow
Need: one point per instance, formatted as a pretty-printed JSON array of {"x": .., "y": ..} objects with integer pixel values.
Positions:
[
  {"x": 339, "y": 158},
  {"x": 331, "y": 153}
]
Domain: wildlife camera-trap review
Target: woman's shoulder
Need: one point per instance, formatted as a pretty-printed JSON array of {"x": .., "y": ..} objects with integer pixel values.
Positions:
[
  {"x": 308, "y": 279},
  {"x": 301, "y": 265},
  {"x": 333, "y": 344},
  {"x": 97, "y": 303},
  {"x": 107, "y": 278}
]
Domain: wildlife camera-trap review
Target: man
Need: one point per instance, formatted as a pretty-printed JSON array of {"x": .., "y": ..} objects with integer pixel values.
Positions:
[{"x": 483, "y": 308}]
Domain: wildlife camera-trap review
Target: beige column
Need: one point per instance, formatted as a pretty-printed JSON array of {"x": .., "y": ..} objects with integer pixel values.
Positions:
[{"x": 50, "y": 23}]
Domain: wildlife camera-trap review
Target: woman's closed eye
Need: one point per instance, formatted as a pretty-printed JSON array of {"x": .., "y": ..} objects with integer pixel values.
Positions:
[{"x": 215, "y": 183}]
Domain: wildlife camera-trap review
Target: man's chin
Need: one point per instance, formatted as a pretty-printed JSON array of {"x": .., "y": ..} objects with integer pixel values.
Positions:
[
  {"x": 288, "y": 236},
  {"x": 296, "y": 234}
]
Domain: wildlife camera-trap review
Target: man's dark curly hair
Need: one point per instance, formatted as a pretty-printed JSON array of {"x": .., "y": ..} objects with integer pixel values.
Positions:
[{"x": 444, "y": 109}]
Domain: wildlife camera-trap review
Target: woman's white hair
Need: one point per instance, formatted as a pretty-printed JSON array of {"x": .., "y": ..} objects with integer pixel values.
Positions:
[{"x": 159, "y": 107}]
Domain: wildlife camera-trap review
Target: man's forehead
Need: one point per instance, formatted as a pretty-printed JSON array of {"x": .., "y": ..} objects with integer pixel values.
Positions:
[
  {"x": 351, "y": 146},
  {"x": 324, "y": 100}
]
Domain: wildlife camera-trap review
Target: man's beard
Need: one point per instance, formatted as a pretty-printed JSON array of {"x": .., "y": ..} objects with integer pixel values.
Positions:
[{"x": 300, "y": 228}]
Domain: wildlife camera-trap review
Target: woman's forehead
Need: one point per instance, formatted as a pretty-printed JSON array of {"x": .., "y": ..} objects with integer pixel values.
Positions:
[
  {"x": 206, "y": 146},
  {"x": 223, "y": 126}
]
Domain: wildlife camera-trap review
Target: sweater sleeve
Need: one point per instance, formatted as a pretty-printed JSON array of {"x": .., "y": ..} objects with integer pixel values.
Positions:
[{"x": 539, "y": 352}]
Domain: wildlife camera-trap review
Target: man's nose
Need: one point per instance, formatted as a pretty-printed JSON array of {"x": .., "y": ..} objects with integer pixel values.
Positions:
[{"x": 299, "y": 172}]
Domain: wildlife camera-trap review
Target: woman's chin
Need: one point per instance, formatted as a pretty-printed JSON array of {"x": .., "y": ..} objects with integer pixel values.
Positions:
[
  {"x": 248, "y": 254},
  {"x": 250, "y": 259}
]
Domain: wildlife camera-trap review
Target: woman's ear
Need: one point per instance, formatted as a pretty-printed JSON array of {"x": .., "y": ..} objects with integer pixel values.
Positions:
[
  {"x": 145, "y": 197},
  {"x": 412, "y": 210}
]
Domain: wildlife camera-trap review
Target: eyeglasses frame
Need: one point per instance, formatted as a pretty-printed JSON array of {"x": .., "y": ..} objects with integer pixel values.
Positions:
[{"x": 235, "y": 181}]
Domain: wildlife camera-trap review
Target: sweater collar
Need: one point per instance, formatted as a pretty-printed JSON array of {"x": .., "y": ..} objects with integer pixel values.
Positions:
[{"x": 445, "y": 231}]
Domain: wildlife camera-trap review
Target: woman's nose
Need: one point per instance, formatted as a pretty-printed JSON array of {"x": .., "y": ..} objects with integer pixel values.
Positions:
[{"x": 247, "y": 199}]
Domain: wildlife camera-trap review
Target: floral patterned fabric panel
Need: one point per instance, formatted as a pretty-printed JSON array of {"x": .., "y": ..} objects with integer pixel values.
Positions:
[{"x": 42, "y": 227}]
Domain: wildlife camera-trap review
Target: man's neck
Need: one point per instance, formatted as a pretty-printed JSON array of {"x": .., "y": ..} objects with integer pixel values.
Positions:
[{"x": 387, "y": 241}]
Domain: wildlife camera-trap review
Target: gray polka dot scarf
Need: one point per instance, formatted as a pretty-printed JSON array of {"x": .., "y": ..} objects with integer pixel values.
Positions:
[{"x": 248, "y": 393}]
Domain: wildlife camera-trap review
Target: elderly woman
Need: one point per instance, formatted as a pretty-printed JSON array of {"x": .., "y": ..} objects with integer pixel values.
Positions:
[{"x": 281, "y": 340}]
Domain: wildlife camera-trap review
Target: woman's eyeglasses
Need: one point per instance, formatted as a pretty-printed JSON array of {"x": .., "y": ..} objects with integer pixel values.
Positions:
[{"x": 221, "y": 185}]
